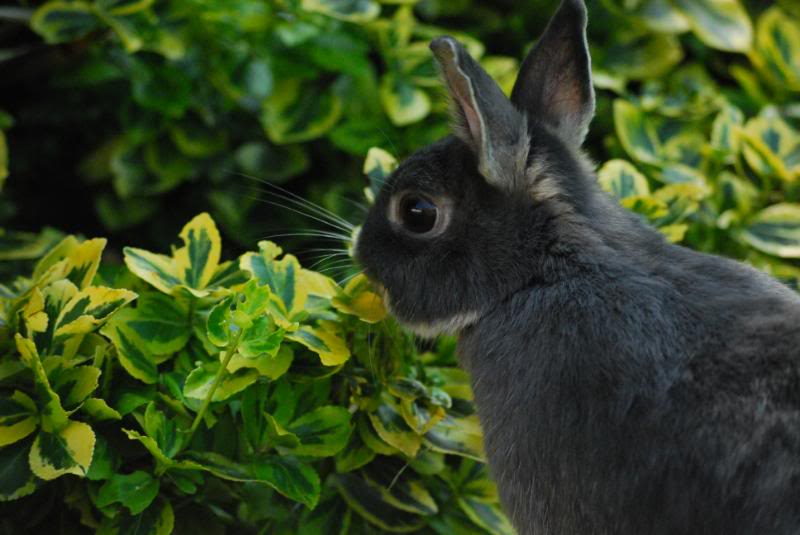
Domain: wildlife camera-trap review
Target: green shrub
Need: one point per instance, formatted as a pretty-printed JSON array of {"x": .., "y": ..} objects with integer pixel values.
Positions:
[
  {"x": 251, "y": 395},
  {"x": 165, "y": 102}
]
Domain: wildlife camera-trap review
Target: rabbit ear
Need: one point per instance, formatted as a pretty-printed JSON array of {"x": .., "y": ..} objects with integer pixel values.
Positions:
[
  {"x": 484, "y": 118},
  {"x": 555, "y": 80}
]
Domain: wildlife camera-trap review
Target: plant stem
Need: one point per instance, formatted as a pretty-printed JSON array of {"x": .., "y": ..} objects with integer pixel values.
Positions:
[{"x": 231, "y": 349}]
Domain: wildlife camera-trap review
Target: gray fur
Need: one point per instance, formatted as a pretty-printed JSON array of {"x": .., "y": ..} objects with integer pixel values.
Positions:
[{"x": 625, "y": 385}]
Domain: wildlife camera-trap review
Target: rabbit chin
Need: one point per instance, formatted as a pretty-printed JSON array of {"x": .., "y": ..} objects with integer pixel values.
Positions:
[
  {"x": 449, "y": 325},
  {"x": 452, "y": 325}
]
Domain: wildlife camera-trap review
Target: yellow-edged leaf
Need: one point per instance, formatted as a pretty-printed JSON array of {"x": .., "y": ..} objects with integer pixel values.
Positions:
[{"x": 67, "y": 451}]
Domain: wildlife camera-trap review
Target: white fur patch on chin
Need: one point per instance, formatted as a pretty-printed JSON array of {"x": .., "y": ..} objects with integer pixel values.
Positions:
[{"x": 452, "y": 325}]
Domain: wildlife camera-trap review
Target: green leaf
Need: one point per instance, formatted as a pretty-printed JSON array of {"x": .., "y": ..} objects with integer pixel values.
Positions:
[
  {"x": 157, "y": 519},
  {"x": 457, "y": 436},
  {"x": 378, "y": 165},
  {"x": 721, "y": 24},
  {"x": 72, "y": 260},
  {"x": 16, "y": 478},
  {"x": 771, "y": 146},
  {"x": 53, "y": 415},
  {"x": 191, "y": 266},
  {"x": 133, "y": 355},
  {"x": 290, "y": 477},
  {"x": 261, "y": 338},
  {"x": 165, "y": 431},
  {"x": 265, "y": 364},
  {"x": 88, "y": 309},
  {"x": 776, "y": 230},
  {"x": 124, "y": 7},
  {"x": 403, "y": 102},
  {"x": 272, "y": 163},
  {"x": 18, "y": 418},
  {"x": 322, "y": 432},
  {"x": 199, "y": 382},
  {"x": 97, "y": 409},
  {"x": 648, "y": 56},
  {"x": 636, "y": 133},
  {"x": 487, "y": 515},
  {"x": 136, "y": 491},
  {"x": 358, "y": 299},
  {"x": 725, "y": 130},
  {"x": 355, "y": 455},
  {"x": 778, "y": 47},
  {"x": 66, "y": 451},
  {"x": 296, "y": 112},
  {"x": 326, "y": 343},
  {"x": 366, "y": 500},
  {"x": 160, "y": 322},
  {"x": 349, "y": 10},
  {"x": 622, "y": 179},
  {"x": 400, "y": 489},
  {"x": 60, "y": 22},
  {"x": 290, "y": 284},
  {"x": 74, "y": 385},
  {"x": 390, "y": 425},
  {"x": 218, "y": 324},
  {"x": 287, "y": 475}
]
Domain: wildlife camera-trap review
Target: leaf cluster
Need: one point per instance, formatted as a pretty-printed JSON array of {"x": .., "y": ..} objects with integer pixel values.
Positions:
[{"x": 251, "y": 395}]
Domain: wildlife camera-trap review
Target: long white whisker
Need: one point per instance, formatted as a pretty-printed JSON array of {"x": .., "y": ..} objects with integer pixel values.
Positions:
[
  {"x": 307, "y": 234},
  {"x": 313, "y": 208},
  {"x": 319, "y": 209},
  {"x": 304, "y": 214},
  {"x": 347, "y": 279}
]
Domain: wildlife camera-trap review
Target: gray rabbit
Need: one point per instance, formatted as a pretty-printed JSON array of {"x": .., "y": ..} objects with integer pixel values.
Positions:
[{"x": 625, "y": 385}]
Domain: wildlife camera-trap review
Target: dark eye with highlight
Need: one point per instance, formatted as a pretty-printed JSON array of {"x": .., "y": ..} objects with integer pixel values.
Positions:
[{"x": 418, "y": 214}]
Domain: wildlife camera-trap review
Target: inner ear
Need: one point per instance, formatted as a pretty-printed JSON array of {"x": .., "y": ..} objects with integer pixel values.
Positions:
[
  {"x": 555, "y": 80},
  {"x": 484, "y": 118}
]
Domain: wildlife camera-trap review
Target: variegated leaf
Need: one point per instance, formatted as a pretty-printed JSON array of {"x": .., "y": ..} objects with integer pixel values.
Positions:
[
  {"x": 66, "y": 451},
  {"x": 191, "y": 267}
]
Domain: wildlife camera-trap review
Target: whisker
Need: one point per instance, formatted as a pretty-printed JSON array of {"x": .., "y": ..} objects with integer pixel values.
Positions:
[
  {"x": 346, "y": 280},
  {"x": 308, "y": 234},
  {"x": 311, "y": 207},
  {"x": 304, "y": 214},
  {"x": 326, "y": 258},
  {"x": 320, "y": 210}
]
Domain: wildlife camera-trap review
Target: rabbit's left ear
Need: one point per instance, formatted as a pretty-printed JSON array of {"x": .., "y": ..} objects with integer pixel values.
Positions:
[
  {"x": 555, "y": 80},
  {"x": 484, "y": 118}
]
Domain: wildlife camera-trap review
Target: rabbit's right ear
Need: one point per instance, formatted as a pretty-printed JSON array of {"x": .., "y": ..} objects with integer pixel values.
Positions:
[
  {"x": 484, "y": 118},
  {"x": 555, "y": 81}
]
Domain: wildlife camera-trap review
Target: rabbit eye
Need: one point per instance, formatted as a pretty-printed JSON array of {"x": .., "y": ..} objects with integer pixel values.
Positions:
[{"x": 418, "y": 214}]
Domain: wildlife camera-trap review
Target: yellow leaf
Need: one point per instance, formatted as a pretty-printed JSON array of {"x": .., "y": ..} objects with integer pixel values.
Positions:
[
  {"x": 357, "y": 299},
  {"x": 90, "y": 307},
  {"x": 68, "y": 451},
  {"x": 330, "y": 347},
  {"x": 33, "y": 313},
  {"x": 71, "y": 259},
  {"x": 197, "y": 260},
  {"x": 19, "y": 405},
  {"x": 191, "y": 266}
]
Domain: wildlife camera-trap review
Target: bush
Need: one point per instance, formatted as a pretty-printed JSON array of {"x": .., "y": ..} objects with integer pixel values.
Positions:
[
  {"x": 252, "y": 395},
  {"x": 135, "y": 115}
]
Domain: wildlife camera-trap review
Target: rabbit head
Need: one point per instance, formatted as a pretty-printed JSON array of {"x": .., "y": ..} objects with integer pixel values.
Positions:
[{"x": 465, "y": 222}]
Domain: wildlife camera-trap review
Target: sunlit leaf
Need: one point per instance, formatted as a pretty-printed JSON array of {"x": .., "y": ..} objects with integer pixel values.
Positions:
[
  {"x": 776, "y": 230},
  {"x": 722, "y": 24},
  {"x": 66, "y": 451}
]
